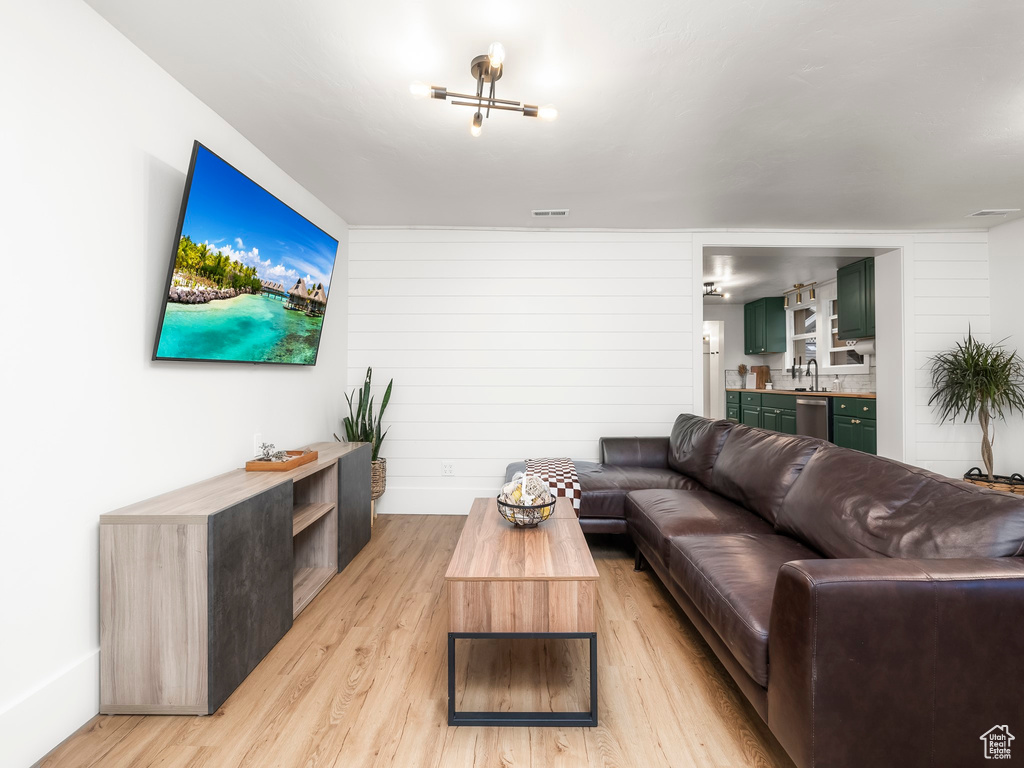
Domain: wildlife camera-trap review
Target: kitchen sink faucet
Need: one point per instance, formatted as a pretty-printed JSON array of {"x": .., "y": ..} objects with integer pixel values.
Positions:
[{"x": 814, "y": 388}]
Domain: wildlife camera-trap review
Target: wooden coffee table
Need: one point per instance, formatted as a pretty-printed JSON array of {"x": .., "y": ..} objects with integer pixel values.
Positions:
[{"x": 508, "y": 582}]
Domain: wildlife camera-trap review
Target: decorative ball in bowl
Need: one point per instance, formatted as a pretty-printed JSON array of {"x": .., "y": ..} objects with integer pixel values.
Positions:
[{"x": 526, "y": 501}]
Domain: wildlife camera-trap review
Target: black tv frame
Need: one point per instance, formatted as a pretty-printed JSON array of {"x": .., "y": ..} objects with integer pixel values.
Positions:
[{"x": 196, "y": 144}]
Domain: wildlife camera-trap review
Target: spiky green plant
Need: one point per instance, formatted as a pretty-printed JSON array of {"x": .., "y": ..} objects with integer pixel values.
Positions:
[
  {"x": 978, "y": 379},
  {"x": 361, "y": 425}
]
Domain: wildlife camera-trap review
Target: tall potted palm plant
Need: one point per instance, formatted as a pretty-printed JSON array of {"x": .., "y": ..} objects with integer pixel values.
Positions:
[
  {"x": 975, "y": 379},
  {"x": 363, "y": 426}
]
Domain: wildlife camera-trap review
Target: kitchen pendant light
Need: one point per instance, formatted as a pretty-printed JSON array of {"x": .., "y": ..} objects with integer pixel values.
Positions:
[
  {"x": 798, "y": 291},
  {"x": 486, "y": 69}
]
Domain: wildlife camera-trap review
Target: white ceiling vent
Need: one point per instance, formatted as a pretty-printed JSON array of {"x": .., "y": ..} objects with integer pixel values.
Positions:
[
  {"x": 550, "y": 213},
  {"x": 994, "y": 212}
]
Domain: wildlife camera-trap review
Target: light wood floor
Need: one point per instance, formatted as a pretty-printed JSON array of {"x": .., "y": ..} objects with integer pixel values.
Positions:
[{"x": 360, "y": 681}]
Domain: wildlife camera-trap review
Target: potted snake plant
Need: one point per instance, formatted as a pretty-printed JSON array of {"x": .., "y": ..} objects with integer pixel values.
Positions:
[
  {"x": 363, "y": 426},
  {"x": 975, "y": 379}
]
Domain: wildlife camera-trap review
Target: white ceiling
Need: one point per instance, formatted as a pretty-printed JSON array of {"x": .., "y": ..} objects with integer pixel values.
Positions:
[
  {"x": 708, "y": 113},
  {"x": 747, "y": 274}
]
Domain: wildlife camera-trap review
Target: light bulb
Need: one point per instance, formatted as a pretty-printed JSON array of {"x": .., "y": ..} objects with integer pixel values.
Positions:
[
  {"x": 547, "y": 113},
  {"x": 725, "y": 295},
  {"x": 496, "y": 55},
  {"x": 419, "y": 90},
  {"x": 477, "y": 126}
]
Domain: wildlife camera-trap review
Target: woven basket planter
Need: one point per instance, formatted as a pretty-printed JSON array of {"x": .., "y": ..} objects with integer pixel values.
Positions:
[
  {"x": 1008, "y": 484},
  {"x": 378, "y": 478}
]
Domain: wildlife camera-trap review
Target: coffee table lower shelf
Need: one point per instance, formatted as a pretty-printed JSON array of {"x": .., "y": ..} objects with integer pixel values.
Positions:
[{"x": 550, "y": 719}]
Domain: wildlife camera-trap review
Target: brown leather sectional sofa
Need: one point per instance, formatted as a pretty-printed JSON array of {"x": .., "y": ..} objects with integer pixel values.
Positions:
[{"x": 872, "y": 612}]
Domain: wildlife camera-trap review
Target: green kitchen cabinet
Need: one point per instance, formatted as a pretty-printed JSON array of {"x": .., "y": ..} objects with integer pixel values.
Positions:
[
  {"x": 779, "y": 420},
  {"x": 787, "y": 422},
  {"x": 857, "y": 433},
  {"x": 869, "y": 436},
  {"x": 778, "y": 412},
  {"x": 732, "y": 413},
  {"x": 855, "y": 291},
  {"x": 751, "y": 416},
  {"x": 764, "y": 326}
]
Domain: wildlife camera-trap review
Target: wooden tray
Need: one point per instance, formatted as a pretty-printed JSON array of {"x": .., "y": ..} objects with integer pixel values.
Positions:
[{"x": 298, "y": 458}]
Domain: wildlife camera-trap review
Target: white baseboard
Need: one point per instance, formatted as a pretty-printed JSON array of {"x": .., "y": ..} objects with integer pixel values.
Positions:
[
  {"x": 430, "y": 501},
  {"x": 44, "y": 717}
]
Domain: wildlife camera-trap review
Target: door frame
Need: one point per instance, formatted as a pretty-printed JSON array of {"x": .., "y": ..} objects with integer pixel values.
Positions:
[{"x": 895, "y": 376}]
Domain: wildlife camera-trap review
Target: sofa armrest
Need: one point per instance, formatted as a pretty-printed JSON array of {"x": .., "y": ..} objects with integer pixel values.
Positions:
[
  {"x": 895, "y": 662},
  {"x": 635, "y": 451}
]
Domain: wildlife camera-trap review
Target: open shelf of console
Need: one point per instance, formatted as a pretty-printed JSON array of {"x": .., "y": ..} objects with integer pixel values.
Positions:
[{"x": 314, "y": 534}]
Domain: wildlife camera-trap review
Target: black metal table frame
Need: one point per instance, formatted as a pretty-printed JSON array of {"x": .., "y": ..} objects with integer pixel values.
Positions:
[{"x": 584, "y": 719}]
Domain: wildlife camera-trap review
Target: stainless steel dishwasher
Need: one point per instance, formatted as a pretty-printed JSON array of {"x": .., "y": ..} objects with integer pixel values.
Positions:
[{"x": 812, "y": 417}]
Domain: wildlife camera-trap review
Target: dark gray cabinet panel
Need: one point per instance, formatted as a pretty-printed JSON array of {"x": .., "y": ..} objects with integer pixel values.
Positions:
[
  {"x": 353, "y": 504},
  {"x": 250, "y": 565}
]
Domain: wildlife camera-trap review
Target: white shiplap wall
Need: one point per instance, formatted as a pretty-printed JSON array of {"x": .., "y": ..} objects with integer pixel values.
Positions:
[
  {"x": 508, "y": 344},
  {"x": 950, "y": 288}
]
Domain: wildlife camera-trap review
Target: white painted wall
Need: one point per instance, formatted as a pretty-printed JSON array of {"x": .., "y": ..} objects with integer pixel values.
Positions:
[
  {"x": 509, "y": 344},
  {"x": 949, "y": 280},
  {"x": 1006, "y": 254},
  {"x": 432, "y": 307},
  {"x": 95, "y": 141}
]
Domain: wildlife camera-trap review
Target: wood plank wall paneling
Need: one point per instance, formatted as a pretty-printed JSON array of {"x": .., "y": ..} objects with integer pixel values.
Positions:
[
  {"x": 509, "y": 344},
  {"x": 950, "y": 294}
]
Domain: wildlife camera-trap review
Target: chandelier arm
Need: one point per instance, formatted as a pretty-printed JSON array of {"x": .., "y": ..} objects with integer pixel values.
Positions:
[
  {"x": 490, "y": 106},
  {"x": 493, "y": 101}
]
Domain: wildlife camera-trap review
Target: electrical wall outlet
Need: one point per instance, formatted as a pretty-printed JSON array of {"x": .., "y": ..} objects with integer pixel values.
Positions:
[
  {"x": 448, "y": 468},
  {"x": 257, "y": 439}
]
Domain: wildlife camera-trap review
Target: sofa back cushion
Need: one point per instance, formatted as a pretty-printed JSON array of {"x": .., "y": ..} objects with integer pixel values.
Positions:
[
  {"x": 694, "y": 445},
  {"x": 756, "y": 468},
  {"x": 851, "y": 504}
]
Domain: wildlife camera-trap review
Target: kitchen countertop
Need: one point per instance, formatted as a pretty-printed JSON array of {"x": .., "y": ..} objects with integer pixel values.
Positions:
[{"x": 861, "y": 395}]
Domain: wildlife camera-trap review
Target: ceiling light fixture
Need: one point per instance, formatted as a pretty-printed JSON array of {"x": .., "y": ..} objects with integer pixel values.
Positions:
[
  {"x": 711, "y": 290},
  {"x": 798, "y": 290},
  {"x": 486, "y": 70}
]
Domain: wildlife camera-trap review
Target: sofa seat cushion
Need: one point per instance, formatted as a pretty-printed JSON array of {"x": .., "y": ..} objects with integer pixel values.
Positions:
[
  {"x": 605, "y": 485},
  {"x": 731, "y": 580},
  {"x": 655, "y": 516}
]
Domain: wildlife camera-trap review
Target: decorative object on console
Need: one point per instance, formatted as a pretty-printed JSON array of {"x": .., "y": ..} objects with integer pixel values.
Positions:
[
  {"x": 362, "y": 426},
  {"x": 983, "y": 380},
  {"x": 271, "y": 460},
  {"x": 525, "y": 501},
  {"x": 486, "y": 69}
]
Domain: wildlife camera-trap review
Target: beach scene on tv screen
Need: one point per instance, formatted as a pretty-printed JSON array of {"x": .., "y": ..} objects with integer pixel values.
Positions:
[{"x": 251, "y": 276}]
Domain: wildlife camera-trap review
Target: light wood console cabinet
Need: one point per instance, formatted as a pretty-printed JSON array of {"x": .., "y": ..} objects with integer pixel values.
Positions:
[{"x": 197, "y": 585}]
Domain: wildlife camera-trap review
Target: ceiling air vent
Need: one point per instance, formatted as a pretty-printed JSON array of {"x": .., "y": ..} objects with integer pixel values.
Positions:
[
  {"x": 993, "y": 212},
  {"x": 550, "y": 213}
]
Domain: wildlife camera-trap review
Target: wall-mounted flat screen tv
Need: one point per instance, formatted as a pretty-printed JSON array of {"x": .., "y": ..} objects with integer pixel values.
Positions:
[{"x": 249, "y": 277}]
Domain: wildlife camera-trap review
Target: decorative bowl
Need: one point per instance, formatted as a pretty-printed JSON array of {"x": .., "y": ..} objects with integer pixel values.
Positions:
[{"x": 526, "y": 516}]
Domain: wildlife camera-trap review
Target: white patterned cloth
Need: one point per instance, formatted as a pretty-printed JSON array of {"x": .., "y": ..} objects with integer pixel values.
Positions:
[{"x": 561, "y": 477}]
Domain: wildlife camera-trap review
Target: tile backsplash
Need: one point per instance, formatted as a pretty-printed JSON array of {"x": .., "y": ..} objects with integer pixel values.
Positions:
[{"x": 781, "y": 379}]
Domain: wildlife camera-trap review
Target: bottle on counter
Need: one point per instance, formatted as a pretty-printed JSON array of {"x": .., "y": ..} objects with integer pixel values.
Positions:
[{"x": 836, "y": 384}]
